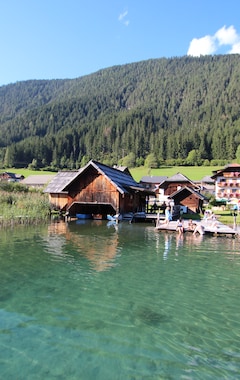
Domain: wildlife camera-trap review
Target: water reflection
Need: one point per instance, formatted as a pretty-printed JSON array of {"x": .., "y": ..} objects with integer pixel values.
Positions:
[
  {"x": 175, "y": 242},
  {"x": 179, "y": 242},
  {"x": 100, "y": 252},
  {"x": 167, "y": 245}
]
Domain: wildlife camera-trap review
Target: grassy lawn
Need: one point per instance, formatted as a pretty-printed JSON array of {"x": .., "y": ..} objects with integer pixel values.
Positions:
[
  {"x": 18, "y": 206},
  {"x": 27, "y": 172},
  {"x": 226, "y": 217},
  {"x": 195, "y": 173}
]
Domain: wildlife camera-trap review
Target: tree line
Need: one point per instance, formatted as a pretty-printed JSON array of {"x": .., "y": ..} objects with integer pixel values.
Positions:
[{"x": 182, "y": 111}]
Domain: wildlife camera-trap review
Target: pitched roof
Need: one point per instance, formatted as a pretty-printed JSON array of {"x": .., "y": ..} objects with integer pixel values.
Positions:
[
  {"x": 121, "y": 180},
  {"x": 207, "y": 179},
  {"x": 153, "y": 179},
  {"x": 60, "y": 181},
  {"x": 123, "y": 169},
  {"x": 177, "y": 178},
  {"x": 11, "y": 175},
  {"x": 38, "y": 180},
  {"x": 190, "y": 190},
  {"x": 227, "y": 168},
  {"x": 234, "y": 165}
]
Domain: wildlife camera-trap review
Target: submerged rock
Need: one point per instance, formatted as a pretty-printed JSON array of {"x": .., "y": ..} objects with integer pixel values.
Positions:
[{"x": 151, "y": 317}]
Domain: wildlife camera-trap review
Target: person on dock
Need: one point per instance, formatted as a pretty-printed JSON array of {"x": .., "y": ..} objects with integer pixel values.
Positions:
[
  {"x": 209, "y": 216},
  {"x": 199, "y": 229},
  {"x": 180, "y": 226},
  {"x": 211, "y": 219},
  {"x": 168, "y": 215},
  {"x": 171, "y": 204},
  {"x": 191, "y": 225}
]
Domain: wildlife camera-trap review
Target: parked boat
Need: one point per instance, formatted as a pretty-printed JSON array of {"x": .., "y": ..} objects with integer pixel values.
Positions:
[
  {"x": 98, "y": 216},
  {"x": 139, "y": 216},
  {"x": 114, "y": 218},
  {"x": 128, "y": 216},
  {"x": 84, "y": 216}
]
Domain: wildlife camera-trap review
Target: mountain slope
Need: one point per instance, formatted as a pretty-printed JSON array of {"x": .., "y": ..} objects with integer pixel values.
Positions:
[{"x": 168, "y": 107}]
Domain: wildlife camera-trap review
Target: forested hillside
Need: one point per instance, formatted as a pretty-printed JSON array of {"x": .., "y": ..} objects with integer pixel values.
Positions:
[{"x": 179, "y": 111}]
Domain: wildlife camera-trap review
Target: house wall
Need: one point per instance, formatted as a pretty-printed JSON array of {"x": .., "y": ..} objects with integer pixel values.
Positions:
[
  {"x": 191, "y": 202},
  {"x": 59, "y": 200},
  {"x": 95, "y": 188},
  {"x": 174, "y": 186},
  {"x": 132, "y": 203},
  {"x": 125, "y": 203},
  {"x": 228, "y": 185}
]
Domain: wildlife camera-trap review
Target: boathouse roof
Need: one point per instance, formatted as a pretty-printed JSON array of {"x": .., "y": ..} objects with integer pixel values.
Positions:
[
  {"x": 120, "y": 179},
  {"x": 60, "y": 181}
]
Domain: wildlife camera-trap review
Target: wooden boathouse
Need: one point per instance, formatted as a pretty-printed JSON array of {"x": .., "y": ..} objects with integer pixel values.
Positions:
[{"x": 96, "y": 189}]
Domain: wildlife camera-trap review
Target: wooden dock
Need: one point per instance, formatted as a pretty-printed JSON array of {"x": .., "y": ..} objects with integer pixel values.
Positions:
[{"x": 208, "y": 228}]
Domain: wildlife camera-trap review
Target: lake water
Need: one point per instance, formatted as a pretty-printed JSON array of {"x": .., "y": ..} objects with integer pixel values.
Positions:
[{"x": 89, "y": 301}]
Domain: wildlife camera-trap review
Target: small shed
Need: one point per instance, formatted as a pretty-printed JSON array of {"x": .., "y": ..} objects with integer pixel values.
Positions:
[
  {"x": 188, "y": 197},
  {"x": 96, "y": 189}
]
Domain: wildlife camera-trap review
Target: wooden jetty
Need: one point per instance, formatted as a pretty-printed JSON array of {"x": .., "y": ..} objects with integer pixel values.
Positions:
[{"x": 214, "y": 229}]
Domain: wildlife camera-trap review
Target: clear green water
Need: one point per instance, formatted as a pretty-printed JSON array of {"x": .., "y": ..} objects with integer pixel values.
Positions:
[{"x": 90, "y": 302}]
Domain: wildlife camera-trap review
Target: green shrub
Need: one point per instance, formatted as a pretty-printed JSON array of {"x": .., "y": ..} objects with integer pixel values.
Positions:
[
  {"x": 22, "y": 206},
  {"x": 13, "y": 187}
]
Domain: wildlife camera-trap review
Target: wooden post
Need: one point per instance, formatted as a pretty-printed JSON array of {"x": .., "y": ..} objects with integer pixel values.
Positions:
[{"x": 234, "y": 220}]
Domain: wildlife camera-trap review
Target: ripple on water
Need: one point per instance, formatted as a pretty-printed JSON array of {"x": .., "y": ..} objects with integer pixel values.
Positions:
[{"x": 130, "y": 302}]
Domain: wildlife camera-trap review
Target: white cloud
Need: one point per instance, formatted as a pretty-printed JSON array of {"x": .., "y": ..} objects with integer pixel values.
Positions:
[
  {"x": 122, "y": 18},
  {"x": 235, "y": 48},
  {"x": 210, "y": 44},
  {"x": 226, "y": 36},
  {"x": 202, "y": 46}
]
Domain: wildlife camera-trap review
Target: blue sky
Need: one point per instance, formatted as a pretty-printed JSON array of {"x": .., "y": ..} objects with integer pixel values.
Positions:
[{"x": 49, "y": 39}]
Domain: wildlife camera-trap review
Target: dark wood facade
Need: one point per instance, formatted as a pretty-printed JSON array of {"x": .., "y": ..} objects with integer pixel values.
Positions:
[
  {"x": 184, "y": 192},
  {"x": 176, "y": 182},
  {"x": 188, "y": 197},
  {"x": 97, "y": 189}
]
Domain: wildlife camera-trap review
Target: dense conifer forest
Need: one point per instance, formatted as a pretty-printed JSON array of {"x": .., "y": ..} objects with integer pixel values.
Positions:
[{"x": 183, "y": 111}]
